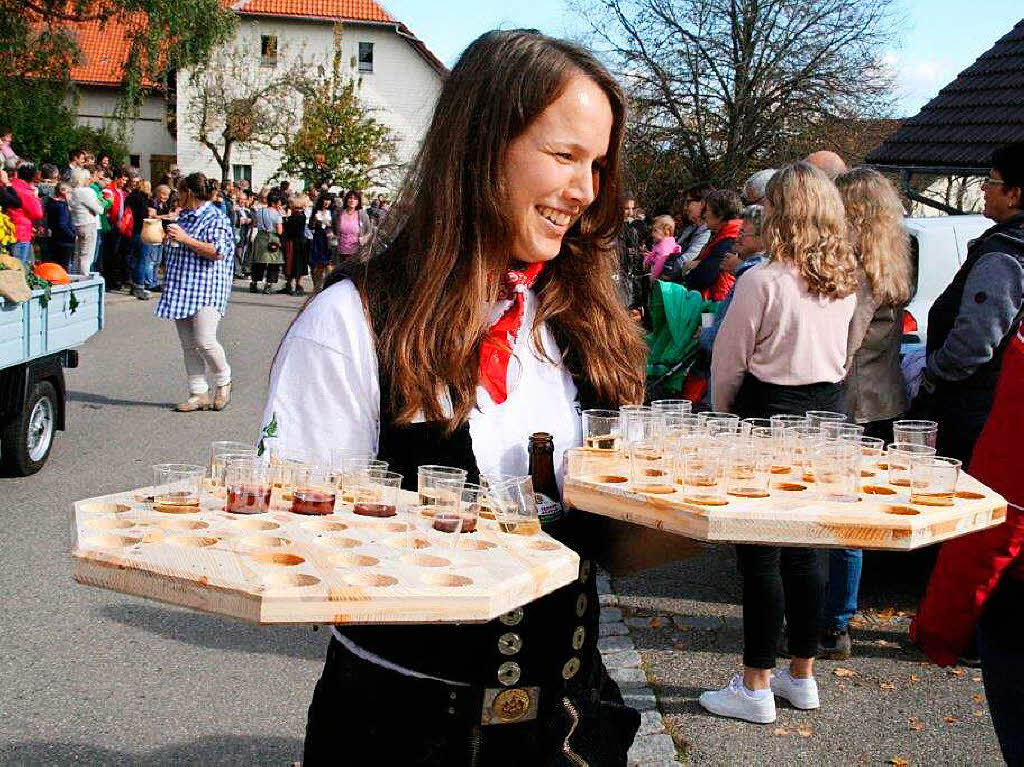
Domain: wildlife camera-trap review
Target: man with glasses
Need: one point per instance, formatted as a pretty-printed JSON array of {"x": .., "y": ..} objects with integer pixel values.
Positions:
[{"x": 974, "y": 319}]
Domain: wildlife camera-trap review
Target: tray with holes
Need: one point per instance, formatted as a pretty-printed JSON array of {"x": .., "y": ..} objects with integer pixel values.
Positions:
[
  {"x": 882, "y": 517},
  {"x": 280, "y": 567}
]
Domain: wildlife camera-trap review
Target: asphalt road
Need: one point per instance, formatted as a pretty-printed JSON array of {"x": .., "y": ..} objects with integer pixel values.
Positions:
[{"x": 92, "y": 677}]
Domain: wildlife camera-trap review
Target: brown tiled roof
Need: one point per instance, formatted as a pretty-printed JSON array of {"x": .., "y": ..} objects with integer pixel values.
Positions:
[{"x": 980, "y": 110}]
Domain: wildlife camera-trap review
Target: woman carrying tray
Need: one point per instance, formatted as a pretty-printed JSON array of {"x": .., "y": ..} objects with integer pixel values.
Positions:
[
  {"x": 491, "y": 315},
  {"x": 782, "y": 349}
]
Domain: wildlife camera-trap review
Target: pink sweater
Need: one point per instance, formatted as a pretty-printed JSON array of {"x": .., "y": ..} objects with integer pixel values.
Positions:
[
  {"x": 658, "y": 255},
  {"x": 780, "y": 333}
]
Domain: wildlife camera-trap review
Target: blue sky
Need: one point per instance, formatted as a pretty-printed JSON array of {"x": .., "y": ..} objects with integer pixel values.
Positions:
[{"x": 939, "y": 37}]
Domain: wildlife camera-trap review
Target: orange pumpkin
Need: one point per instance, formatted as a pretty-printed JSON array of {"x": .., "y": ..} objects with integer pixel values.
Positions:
[{"x": 52, "y": 273}]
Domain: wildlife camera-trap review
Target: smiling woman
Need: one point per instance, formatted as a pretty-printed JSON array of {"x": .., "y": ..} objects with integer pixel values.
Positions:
[{"x": 491, "y": 315}]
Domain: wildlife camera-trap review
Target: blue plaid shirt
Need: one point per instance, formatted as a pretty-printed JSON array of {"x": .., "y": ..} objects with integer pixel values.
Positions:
[{"x": 193, "y": 281}]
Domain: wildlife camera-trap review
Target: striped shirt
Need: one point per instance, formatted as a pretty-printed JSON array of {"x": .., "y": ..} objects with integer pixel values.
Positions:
[{"x": 193, "y": 281}]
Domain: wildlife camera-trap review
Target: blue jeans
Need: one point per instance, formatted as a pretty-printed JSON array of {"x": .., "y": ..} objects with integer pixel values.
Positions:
[
  {"x": 844, "y": 568},
  {"x": 1001, "y": 647},
  {"x": 97, "y": 259},
  {"x": 145, "y": 259},
  {"x": 23, "y": 252}
]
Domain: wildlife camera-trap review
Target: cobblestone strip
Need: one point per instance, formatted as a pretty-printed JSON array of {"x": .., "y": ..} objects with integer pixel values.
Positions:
[{"x": 653, "y": 746}]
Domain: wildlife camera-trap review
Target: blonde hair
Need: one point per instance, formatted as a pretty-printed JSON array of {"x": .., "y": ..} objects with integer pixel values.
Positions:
[
  {"x": 666, "y": 223},
  {"x": 874, "y": 218},
  {"x": 299, "y": 202},
  {"x": 143, "y": 186},
  {"x": 805, "y": 225}
]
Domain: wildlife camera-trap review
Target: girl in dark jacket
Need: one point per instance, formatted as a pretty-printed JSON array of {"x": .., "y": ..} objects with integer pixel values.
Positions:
[
  {"x": 62, "y": 231},
  {"x": 722, "y": 216}
]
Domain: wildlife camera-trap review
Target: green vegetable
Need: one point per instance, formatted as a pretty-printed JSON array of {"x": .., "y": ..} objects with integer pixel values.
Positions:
[
  {"x": 73, "y": 303},
  {"x": 35, "y": 282}
]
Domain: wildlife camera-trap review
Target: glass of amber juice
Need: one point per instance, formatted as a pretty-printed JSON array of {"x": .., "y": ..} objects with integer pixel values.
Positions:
[{"x": 933, "y": 480}]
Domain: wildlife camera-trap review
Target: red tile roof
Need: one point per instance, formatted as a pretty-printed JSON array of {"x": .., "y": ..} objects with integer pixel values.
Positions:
[
  {"x": 105, "y": 50},
  {"x": 344, "y": 10},
  {"x": 105, "y": 46}
]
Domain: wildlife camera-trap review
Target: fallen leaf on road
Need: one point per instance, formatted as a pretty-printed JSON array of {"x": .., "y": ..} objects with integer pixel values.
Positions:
[
  {"x": 976, "y": 678},
  {"x": 899, "y": 761},
  {"x": 978, "y": 698},
  {"x": 887, "y": 685},
  {"x": 886, "y": 643},
  {"x": 957, "y": 671},
  {"x": 657, "y": 622},
  {"x": 951, "y": 719},
  {"x": 915, "y": 678},
  {"x": 804, "y": 730},
  {"x": 781, "y": 731},
  {"x": 684, "y": 629},
  {"x": 681, "y": 646},
  {"x": 844, "y": 673},
  {"x": 979, "y": 712},
  {"x": 916, "y": 724}
]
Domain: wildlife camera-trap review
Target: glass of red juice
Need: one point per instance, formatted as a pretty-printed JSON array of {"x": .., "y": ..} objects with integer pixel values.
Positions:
[
  {"x": 314, "y": 491},
  {"x": 248, "y": 484},
  {"x": 375, "y": 493}
]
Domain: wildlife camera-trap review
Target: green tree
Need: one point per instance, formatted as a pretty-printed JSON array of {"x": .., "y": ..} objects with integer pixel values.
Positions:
[
  {"x": 338, "y": 141},
  {"x": 37, "y": 38}
]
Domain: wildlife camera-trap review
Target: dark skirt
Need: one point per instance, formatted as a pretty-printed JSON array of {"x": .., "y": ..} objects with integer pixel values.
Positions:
[
  {"x": 320, "y": 253},
  {"x": 365, "y": 714}
]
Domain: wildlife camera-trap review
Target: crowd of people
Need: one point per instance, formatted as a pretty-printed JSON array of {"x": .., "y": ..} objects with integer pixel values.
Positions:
[
  {"x": 494, "y": 313},
  {"x": 88, "y": 217},
  {"x": 812, "y": 270}
]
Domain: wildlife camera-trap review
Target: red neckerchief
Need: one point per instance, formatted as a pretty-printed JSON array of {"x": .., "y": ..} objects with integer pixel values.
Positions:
[
  {"x": 729, "y": 229},
  {"x": 496, "y": 350}
]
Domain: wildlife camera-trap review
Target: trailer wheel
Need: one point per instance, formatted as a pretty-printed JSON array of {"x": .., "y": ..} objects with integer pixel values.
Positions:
[{"x": 26, "y": 440}]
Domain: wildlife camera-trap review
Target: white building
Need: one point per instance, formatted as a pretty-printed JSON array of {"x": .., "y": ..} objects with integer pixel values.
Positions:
[{"x": 400, "y": 78}]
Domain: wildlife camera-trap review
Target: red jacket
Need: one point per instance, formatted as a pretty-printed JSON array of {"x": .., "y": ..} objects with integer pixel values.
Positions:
[
  {"x": 31, "y": 210},
  {"x": 115, "y": 210},
  {"x": 725, "y": 280},
  {"x": 969, "y": 568}
]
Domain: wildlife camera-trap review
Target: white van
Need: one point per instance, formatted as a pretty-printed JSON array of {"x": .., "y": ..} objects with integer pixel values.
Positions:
[{"x": 938, "y": 246}]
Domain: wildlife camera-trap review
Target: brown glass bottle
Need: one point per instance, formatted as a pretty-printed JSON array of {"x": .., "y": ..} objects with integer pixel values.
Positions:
[{"x": 542, "y": 471}]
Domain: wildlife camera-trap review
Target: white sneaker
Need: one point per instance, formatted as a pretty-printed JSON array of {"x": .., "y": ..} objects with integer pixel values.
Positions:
[
  {"x": 738, "y": 702},
  {"x": 802, "y": 693}
]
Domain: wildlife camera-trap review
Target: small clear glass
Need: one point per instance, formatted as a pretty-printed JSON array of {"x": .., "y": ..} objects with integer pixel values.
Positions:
[
  {"x": 672, "y": 406},
  {"x": 835, "y": 431},
  {"x": 473, "y": 506},
  {"x": 649, "y": 465},
  {"x": 899, "y": 455},
  {"x": 314, "y": 491},
  {"x": 748, "y": 470},
  {"x": 220, "y": 447},
  {"x": 248, "y": 485},
  {"x": 352, "y": 470},
  {"x": 785, "y": 421},
  {"x": 749, "y": 424},
  {"x": 375, "y": 493},
  {"x": 704, "y": 478},
  {"x": 722, "y": 425},
  {"x": 915, "y": 432},
  {"x": 933, "y": 480},
  {"x": 514, "y": 504},
  {"x": 801, "y": 442},
  {"x": 440, "y": 487},
  {"x": 176, "y": 486},
  {"x": 638, "y": 423},
  {"x": 601, "y": 430},
  {"x": 837, "y": 472},
  {"x": 871, "y": 449},
  {"x": 709, "y": 414},
  {"x": 815, "y": 418}
]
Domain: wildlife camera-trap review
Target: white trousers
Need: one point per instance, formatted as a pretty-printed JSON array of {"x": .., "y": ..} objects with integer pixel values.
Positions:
[
  {"x": 85, "y": 248},
  {"x": 202, "y": 350}
]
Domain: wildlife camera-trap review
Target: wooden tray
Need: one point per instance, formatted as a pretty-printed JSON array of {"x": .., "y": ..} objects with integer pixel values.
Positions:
[
  {"x": 884, "y": 519},
  {"x": 280, "y": 567}
]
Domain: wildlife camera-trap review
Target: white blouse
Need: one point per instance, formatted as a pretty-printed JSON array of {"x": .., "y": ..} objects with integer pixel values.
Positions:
[{"x": 325, "y": 389}]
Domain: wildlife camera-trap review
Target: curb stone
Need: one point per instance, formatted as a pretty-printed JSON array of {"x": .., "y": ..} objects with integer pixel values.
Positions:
[{"x": 652, "y": 745}]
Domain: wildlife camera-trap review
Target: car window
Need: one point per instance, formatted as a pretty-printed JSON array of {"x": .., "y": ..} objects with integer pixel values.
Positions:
[{"x": 915, "y": 250}]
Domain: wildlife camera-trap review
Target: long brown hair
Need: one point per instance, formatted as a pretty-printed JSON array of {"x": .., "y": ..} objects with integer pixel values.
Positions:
[
  {"x": 428, "y": 292},
  {"x": 874, "y": 217},
  {"x": 805, "y": 225}
]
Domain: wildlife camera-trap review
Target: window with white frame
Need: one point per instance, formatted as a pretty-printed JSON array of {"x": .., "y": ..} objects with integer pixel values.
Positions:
[
  {"x": 241, "y": 173},
  {"x": 365, "y": 57}
]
